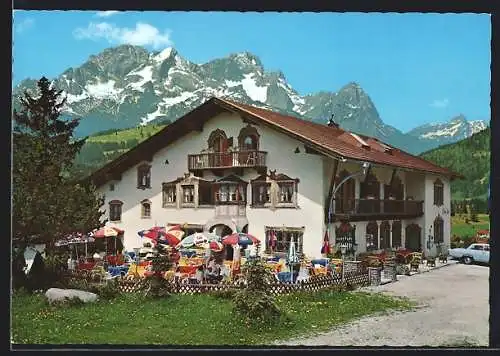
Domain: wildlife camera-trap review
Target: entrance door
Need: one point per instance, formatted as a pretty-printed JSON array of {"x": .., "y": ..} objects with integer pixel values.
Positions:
[{"x": 412, "y": 241}]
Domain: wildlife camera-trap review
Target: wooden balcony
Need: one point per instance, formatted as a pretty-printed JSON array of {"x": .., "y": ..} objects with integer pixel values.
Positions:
[
  {"x": 367, "y": 209},
  {"x": 218, "y": 161}
]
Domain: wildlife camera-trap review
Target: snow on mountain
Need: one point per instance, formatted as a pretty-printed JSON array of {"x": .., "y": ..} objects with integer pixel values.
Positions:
[
  {"x": 127, "y": 86},
  {"x": 456, "y": 129}
]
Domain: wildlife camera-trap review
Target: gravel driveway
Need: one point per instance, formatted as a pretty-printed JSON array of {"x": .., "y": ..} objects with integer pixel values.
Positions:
[{"x": 453, "y": 311}]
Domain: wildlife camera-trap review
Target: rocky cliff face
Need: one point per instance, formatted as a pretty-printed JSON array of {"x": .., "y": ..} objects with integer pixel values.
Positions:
[{"x": 127, "y": 86}]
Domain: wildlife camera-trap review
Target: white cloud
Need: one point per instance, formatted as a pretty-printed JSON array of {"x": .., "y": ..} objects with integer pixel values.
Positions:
[
  {"x": 107, "y": 13},
  {"x": 24, "y": 25},
  {"x": 142, "y": 35},
  {"x": 440, "y": 103}
]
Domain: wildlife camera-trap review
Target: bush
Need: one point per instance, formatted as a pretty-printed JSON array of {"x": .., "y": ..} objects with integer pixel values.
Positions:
[
  {"x": 108, "y": 290},
  {"x": 253, "y": 302},
  {"x": 157, "y": 286}
]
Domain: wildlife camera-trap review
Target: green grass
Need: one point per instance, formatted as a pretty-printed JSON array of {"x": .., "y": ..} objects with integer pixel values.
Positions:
[
  {"x": 127, "y": 134},
  {"x": 460, "y": 228},
  {"x": 185, "y": 320}
]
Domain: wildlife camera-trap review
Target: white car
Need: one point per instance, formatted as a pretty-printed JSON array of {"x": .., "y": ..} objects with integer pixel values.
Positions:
[{"x": 474, "y": 253}]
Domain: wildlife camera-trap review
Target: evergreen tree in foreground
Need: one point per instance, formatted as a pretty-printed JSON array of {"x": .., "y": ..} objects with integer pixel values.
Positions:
[{"x": 46, "y": 204}]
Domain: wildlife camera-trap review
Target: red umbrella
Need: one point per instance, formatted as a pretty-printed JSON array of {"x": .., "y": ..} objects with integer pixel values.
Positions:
[
  {"x": 240, "y": 238},
  {"x": 106, "y": 231},
  {"x": 152, "y": 233},
  {"x": 170, "y": 239},
  {"x": 215, "y": 246}
]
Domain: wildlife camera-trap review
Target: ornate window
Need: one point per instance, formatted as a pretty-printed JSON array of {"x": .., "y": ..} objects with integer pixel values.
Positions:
[
  {"x": 372, "y": 236},
  {"x": 287, "y": 190},
  {"x": 217, "y": 141},
  {"x": 145, "y": 209},
  {"x": 115, "y": 210},
  {"x": 230, "y": 190},
  {"x": 396, "y": 234},
  {"x": 187, "y": 194},
  {"x": 261, "y": 192},
  {"x": 438, "y": 192},
  {"x": 248, "y": 139},
  {"x": 169, "y": 194},
  {"x": 144, "y": 176},
  {"x": 438, "y": 230},
  {"x": 278, "y": 239}
]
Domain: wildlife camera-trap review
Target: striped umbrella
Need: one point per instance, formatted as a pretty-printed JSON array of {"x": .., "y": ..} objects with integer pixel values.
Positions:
[
  {"x": 198, "y": 238},
  {"x": 240, "y": 238}
]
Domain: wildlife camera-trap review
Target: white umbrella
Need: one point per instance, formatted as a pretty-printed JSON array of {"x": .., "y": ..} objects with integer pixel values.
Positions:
[
  {"x": 292, "y": 257},
  {"x": 198, "y": 238}
]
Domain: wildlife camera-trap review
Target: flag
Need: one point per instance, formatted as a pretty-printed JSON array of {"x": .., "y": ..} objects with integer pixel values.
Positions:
[
  {"x": 326, "y": 244},
  {"x": 272, "y": 240}
]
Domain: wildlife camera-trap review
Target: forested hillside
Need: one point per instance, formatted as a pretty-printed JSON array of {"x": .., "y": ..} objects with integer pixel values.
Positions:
[
  {"x": 469, "y": 157},
  {"x": 105, "y": 146}
]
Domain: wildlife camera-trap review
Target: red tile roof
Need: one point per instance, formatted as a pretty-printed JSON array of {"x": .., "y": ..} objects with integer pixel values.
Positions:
[
  {"x": 325, "y": 139},
  {"x": 342, "y": 143}
]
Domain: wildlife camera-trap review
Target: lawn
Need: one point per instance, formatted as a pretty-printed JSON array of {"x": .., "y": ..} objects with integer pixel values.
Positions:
[
  {"x": 185, "y": 320},
  {"x": 460, "y": 228}
]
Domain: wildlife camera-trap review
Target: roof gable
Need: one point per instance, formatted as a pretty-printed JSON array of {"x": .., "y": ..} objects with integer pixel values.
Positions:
[{"x": 330, "y": 141}]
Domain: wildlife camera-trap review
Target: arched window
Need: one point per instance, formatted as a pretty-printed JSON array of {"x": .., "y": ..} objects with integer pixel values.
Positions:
[
  {"x": 217, "y": 141},
  {"x": 438, "y": 192},
  {"x": 115, "y": 210},
  {"x": 396, "y": 234},
  {"x": 145, "y": 209},
  {"x": 370, "y": 187},
  {"x": 372, "y": 236},
  {"x": 385, "y": 235},
  {"x": 144, "y": 176},
  {"x": 248, "y": 139},
  {"x": 438, "y": 230},
  {"x": 344, "y": 197}
]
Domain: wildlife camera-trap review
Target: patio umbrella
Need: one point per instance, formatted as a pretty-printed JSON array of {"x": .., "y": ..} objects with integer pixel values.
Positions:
[
  {"x": 215, "y": 246},
  {"x": 240, "y": 238},
  {"x": 107, "y": 231},
  {"x": 198, "y": 238},
  {"x": 292, "y": 257},
  {"x": 172, "y": 235}
]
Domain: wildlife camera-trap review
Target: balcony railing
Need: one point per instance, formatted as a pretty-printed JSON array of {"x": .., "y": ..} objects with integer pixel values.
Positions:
[
  {"x": 377, "y": 207},
  {"x": 227, "y": 160}
]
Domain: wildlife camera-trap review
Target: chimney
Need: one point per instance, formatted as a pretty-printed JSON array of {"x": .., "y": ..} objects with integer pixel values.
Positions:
[{"x": 332, "y": 123}]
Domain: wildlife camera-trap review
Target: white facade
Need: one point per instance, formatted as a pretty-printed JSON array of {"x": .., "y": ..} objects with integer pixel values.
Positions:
[{"x": 313, "y": 171}]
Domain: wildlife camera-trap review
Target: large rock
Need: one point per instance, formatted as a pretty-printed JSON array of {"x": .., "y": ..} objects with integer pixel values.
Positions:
[{"x": 55, "y": 295}]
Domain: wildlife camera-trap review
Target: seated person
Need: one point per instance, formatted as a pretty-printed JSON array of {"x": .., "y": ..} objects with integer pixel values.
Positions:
[{"x": 200, "y": 273}]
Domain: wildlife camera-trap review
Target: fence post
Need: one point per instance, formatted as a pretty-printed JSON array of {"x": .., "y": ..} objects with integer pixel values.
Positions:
[
  {"x": 374, "y": 275},
  {"x": 390, "y": 269}
]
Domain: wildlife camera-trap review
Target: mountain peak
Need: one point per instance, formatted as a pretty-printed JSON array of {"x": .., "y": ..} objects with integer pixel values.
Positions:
[
  {"x": 458, "y": 118},
  {"x": 164, "y": 54},
  {"x": 246, "y": 58}
]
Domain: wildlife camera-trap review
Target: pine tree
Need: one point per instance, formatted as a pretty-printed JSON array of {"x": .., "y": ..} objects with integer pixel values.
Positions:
[{"x": 46, "y": 204}]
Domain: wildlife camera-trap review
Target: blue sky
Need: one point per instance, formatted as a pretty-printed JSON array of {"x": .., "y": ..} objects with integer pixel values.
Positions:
[{"x": 417, "y": 68}]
